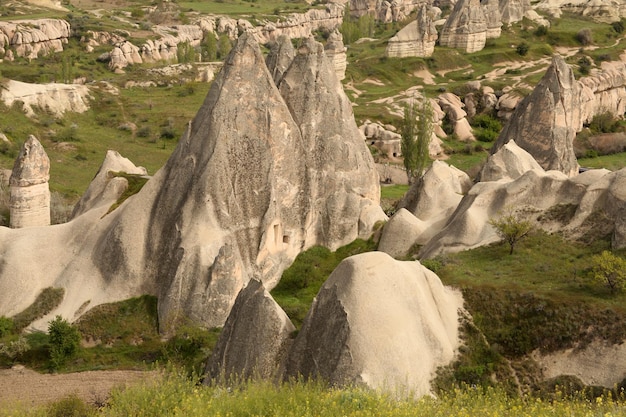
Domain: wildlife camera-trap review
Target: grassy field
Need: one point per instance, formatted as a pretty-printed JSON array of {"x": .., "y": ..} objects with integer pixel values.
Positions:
[{"x": 175, "y": 395}]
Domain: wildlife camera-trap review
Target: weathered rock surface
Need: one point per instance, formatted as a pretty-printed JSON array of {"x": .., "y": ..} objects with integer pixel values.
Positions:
[
  {"x": 384, "y": 11},
  {"x": 466, "y": 27},
  {"x": 54, "y": 98},
  {"x": 545, "y": 122},
  {"x": 280, "y": 57},
  {"x": 255, "y": 339},
  {"x": 491, "y": 9},
  {"x": 417, "y": 38},
  {"x": 243, "y": 193},
  {"x": 336, "y": 53},
  {"x": 33, "y": 38},
  {"x": 509, "y": 163},
  {"x": 594, "y": 364},
  {"x": 370, "y": 321},
  {"x": 30, "y": 196},
  {"x": 452, "y": 106},
  {"x": 601, "y": 10},
  {"x": 400, "y": 233},
  {"x": 512, "y": 11},
  {"x": 302, "y": 25},
  {"x": 351, "y": 173},
  {"x": 433, "y": 200},
  {"x": 105, "y": 189}
]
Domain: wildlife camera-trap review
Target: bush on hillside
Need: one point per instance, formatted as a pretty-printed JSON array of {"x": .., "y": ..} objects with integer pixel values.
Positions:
[
  {"x": 609, "y": 270},
  {"x": 584, "y": 36},
  {"x": 64, "y": 341}
]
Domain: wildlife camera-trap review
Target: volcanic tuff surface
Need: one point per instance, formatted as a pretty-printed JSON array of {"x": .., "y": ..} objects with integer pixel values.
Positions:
[{"x": 256, "y": 178}]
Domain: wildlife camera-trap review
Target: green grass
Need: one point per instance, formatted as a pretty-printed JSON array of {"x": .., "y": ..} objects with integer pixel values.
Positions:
[
  {"x": 240, "y": 8},
  {"x": 172, "y": 394},
  {"x": 611, "y": 162},
  {"x": 46, "y": 301}
]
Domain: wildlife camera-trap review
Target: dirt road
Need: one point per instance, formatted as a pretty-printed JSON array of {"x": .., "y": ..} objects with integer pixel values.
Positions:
[{"x": 32, "y": 388}]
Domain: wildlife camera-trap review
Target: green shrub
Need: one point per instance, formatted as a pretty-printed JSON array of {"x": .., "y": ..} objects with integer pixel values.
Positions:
[
  {"x": 522, "y": 49},
  {"x": 609, "y": 270},
  {"x": 14, "y": 348},
  {"x": 64, "y": 341},
  {"x": 71, "y": 406},
  {"x": 604, "y": 123},
  {"x": 541, "y": 30},
  {"x": 190, "y": 347},
  {"x": 584, "y": 36},
  {"x": 7, "y": 326}
]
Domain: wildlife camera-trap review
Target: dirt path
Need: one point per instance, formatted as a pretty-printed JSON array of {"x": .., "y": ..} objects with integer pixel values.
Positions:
[{"x": 32, "y": 389}]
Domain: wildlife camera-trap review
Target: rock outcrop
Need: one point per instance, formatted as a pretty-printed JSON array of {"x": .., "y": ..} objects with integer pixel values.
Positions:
[
  {"x": 255, "y": 339},
  {"x": 466, "y": 27},
  {"x": 384, "y": 11},
  {"x": 491, "y": 9},
  {"x": 400, "y": 233},
  {"x": 302, "y": 25},
  {"x": 336, "y": 52},
  {"x": 30, "y": 196},
  {"x": 417, "y": 38},
  {"x": 512, "y": 11},
  {"x": 545, "y": 122},
  {"x": 509, "y": 163},
  {"x": 370, "y": 321},
  {"x": 54, "y": 98},
  {"x": 256, "y": 178},
  {"x": 452, "y": 106},
  {"x": 106, "y": 188},
  {"x": 33, "y": 38},
  {"x": 280, "y": 57},
  {"x": 600, "y": 10}
]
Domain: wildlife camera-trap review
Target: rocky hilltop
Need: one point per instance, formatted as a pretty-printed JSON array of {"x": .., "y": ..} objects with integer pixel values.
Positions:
[{"x": 259, "y": 175}]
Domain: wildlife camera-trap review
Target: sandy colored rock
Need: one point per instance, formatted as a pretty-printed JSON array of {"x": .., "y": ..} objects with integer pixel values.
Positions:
[
  {"x": 509, "y": 163},
  {"x": 280, "y": 57},
  {"x": 232, "y": 202},
  {"x": 417, "y": 38},
  {"x": 336, "y": 53},
  {"x": 400, "y": 233},
  {"x": 545, "y": 122},
  {"x": 384, "y": 11},
  {"x": 33, "y": 38},
  {"x": 54, "y": 98},
  {"x": 30, "y": 195},
  {"x": 105, "y": 189},
  {"x": 371, "y": 319},
  {"x": 255, "y": 337},
  {"x": 513, "y": 11},
  {"x": 465, "y": 27}
]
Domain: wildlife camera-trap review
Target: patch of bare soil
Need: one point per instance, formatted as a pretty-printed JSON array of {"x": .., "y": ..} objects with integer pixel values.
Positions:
[{"x": 34, "y": 389}]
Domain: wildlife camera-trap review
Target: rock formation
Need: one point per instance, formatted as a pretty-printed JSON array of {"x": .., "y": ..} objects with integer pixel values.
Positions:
[
  {"x": 466, "y": 27},
  {"x": 336, "y": 53},
  {"x": 491, "y": 9},
  {"x": 400, "y": 233},
  {"x": 509, "y": 163},
  {"x": 280, "y": 57},
  {"x": 370, "y": 321},
  {"x": 255, "y": 179},
  {"x": 33, "y": 38},
  {"x": 106, "y": 188},
  {"x": 417, "y": 38},
  {"x": 512, "y": 11},
  {"x": 54, "y": 98},
  {"x": 453, "y": 108},
  {"x": 600, "y": 10},
  {"x": 384, "y": 139},
  {"x": 30, "y": 195},
  {"x": 384, "y": 11},
  {"x": 546, "y": 121},
  {"x": 255, "y": 339},
  {"x": 302, "y": 25}
]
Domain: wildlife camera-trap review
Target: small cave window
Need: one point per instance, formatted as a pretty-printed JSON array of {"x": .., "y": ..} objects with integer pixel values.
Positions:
[{"x": 285, "y": 238}]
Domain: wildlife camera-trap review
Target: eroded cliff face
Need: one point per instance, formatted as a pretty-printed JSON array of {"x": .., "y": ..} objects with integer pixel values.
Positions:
[
  {"x": 417, "y": 38},
  {"x": 466, "y": 27},
  {"x": 257, "y": 177},
  {"x": 385, "y": 11}
]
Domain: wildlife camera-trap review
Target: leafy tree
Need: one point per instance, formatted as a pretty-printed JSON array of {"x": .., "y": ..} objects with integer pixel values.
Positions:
[
  {"x": 64, "y": 341},
  {"x": 223, "y": 46},
  {"x": 209, "y": 47},
  {"x": 511, "y": 228},
  {"x": 416, "y": 132},
  {"x": 185, "y": 52},
  {"x": 609, "y": 270}
]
